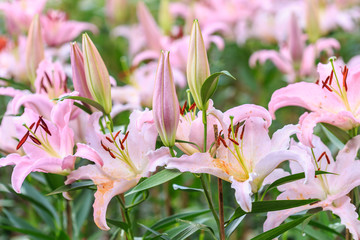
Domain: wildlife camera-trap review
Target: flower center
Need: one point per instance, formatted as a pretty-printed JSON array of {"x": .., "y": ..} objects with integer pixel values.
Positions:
[{"x": 39, "y": 137}]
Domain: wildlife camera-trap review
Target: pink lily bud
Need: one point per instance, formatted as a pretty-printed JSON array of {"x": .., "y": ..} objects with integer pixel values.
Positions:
[
  {"x": 165, "y": 102},
  {"x": 296, "y": 43},
  {"x": 197, "y": 69},
  {"x": 150, "y": 28},
  {"x": 78, "y": 71},
  {"x": 34, "y": 48},
  {"x": 97, "y": 75}
]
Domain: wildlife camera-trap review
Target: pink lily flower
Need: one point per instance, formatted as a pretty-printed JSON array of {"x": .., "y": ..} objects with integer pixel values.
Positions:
[
  {"x": 19, "y": 14},
  {"x": 334, "y": 100},
  {"x": 245, "y": 155},
  {"x": 57, "y": 29},
  {"x": 126, "y": 158},
  {"x": 294, "y": 59},
  {"x": 47, "y": 144},
  {"x": 330, "y": 189}
]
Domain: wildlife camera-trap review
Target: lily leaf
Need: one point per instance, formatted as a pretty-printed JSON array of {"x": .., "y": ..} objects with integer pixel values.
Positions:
[
  {"x": 275, "y": 232},
  {"x": 155, "y": 180},
  {"x": 84, "y": 100},
  {"x": 209, "y": 86},
  {"x": 72, "y": 187},
  {"x": 187, "y": 189}
]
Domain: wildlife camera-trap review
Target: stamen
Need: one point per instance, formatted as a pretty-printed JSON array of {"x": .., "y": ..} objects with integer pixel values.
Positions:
[
  {"x": 184, "y": 107},
  {"x": 325, "y": 83},
  {"x": 45, "y": 129},
  {"x": 111, "y": 154},
  {"x": 121, "y": 145},
  {"x": 237, "y": 129},
  {"x": 345, "y": 73},
  {"x": 331, "y": 76},
  {"x": 35, "y": 140},
  {"x": 126, "y": 135},
  {"x": 65, "y": 84},
  {"x": 117, "y": 134},
  {"x": 104, "y": 147},
  {"x": 242, "y": 132},
  {"x": 109, "y": 139},
  {"x": 326, "y": 156},
  {"x": 43, "y": 122},
  {"x": 192, "y": 106},
  {"x": 223, "y": 141},
  {"x": 317, "y": 81},
  {"x": 229, "y": 131},
  {"x": 48, "y": 79},
  {"x": 23, "y": 140},
  {"x": 42, "y": 86},
  {"x": 234, "y": 141}
]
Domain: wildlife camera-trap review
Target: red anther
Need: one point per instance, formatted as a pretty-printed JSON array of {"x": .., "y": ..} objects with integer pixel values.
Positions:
[
  {"x": 223, "y": 141},
  {"x": 32, "y": 125},
  {"x": 23, "y": 140},
  {"x": 345, "y": 73},
  {"x": 43, "y": 122},
  {"x": 317, "y": 81},
  {"x": 35, "y": 140},
  {"x": 237, "y": 129},
  {"x": 37, "y": 125},
  {"x": 331, "y": 77},
  {"x": 229, "y": 131},
  {"x": 126, "y": 135},
  {"x": 326, "y": 156},
  {"x": 242, "y": 132},
  {"x": 327, "y": 87},
  {"x": 104, "y": 147},
  {"x": 220, "y": 132},
  {"x": 326, "y": 82},
  {"x": 65, "y": 84},
  {"x": 3, "y": 43},
  {"x": 42, "y": 86},
  {"x": 109, "y": 139},
  {"x": 192, "y": 106},
  {"x": 234, "y": 141},
  {"x": 111, "y": 154},
  {"x": 121, "y": 145},
  {"x": 181, "y": 112},
  {"x": 48, "y": 79},
  {"x": 184, "y": 107},
  {"x": 117, "y": 134},
  {"x": 45, "y": 129}
]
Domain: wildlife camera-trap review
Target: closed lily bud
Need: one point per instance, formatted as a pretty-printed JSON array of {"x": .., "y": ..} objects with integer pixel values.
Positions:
[
  {"x": 166, "y": 109},
  {"x": 197, "y": 69},
  {"x": 165, "y": 17},
  {"x": 97, "y": 75},
  {"x": 78, "y": 71},
  {"x": 312, "y": 20},
  {"x": 34, "y": 48},
  {"x": 296, "y": 43}
]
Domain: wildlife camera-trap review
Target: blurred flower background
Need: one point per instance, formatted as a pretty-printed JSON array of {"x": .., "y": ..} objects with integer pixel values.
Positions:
[{"x": 264, "y": 44}]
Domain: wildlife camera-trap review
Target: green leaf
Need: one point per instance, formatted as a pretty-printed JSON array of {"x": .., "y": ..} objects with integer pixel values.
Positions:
[
  {"x": 37, "y": 234},
  {"x": 290, "y": 178},
  {"x": 209, "y": 86},
  {"x": 62, "y": 236},
  {"x": 191, "y": 229},
  {"x": 332, "y": 138},
  {"x": 155, "y": 180},
  {"x": 119, "y": 224},
  {"x": 82, "y": 205},
  {"x": 275, "y": 232},
  {"x": 168, "y": 221},
  {"x": 341, "y": 135},
  {"x": 84, "y": 100},
  {"x": 72, "y": 187},
  {"x": 187, "y": 189},
  {"x": 269, "y": 206},
  {"x": 138, "y": 198},
  {"x": 156, "y": 233},
  {"x": 14, "y": 84},
  {"x": 231, "y": 227}
]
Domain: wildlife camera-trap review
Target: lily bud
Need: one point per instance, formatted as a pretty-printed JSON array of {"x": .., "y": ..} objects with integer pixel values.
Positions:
[
  {"x": 97, "y": 75},
  {"x": 166, "y": 109},
  {"x": 165, "y": 18},
  {"x": 149, "y": 26},
  {"x": 312, "y": 20},
  {"x": 296, "y": 43},
  {"x": 78, "y": 71},
  {"x": 197, "y": 69},
  {"x": 34, "y": 48}
]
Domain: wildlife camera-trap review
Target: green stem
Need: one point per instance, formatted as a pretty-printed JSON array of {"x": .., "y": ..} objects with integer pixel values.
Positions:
[
  {"x": 208, "y": 198},
  {"x": 126, "y": 217},
  {"x": 221, "y": 209},
  {"x": 172, "y": 151},
  {"x": 204, "y": 119}
]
